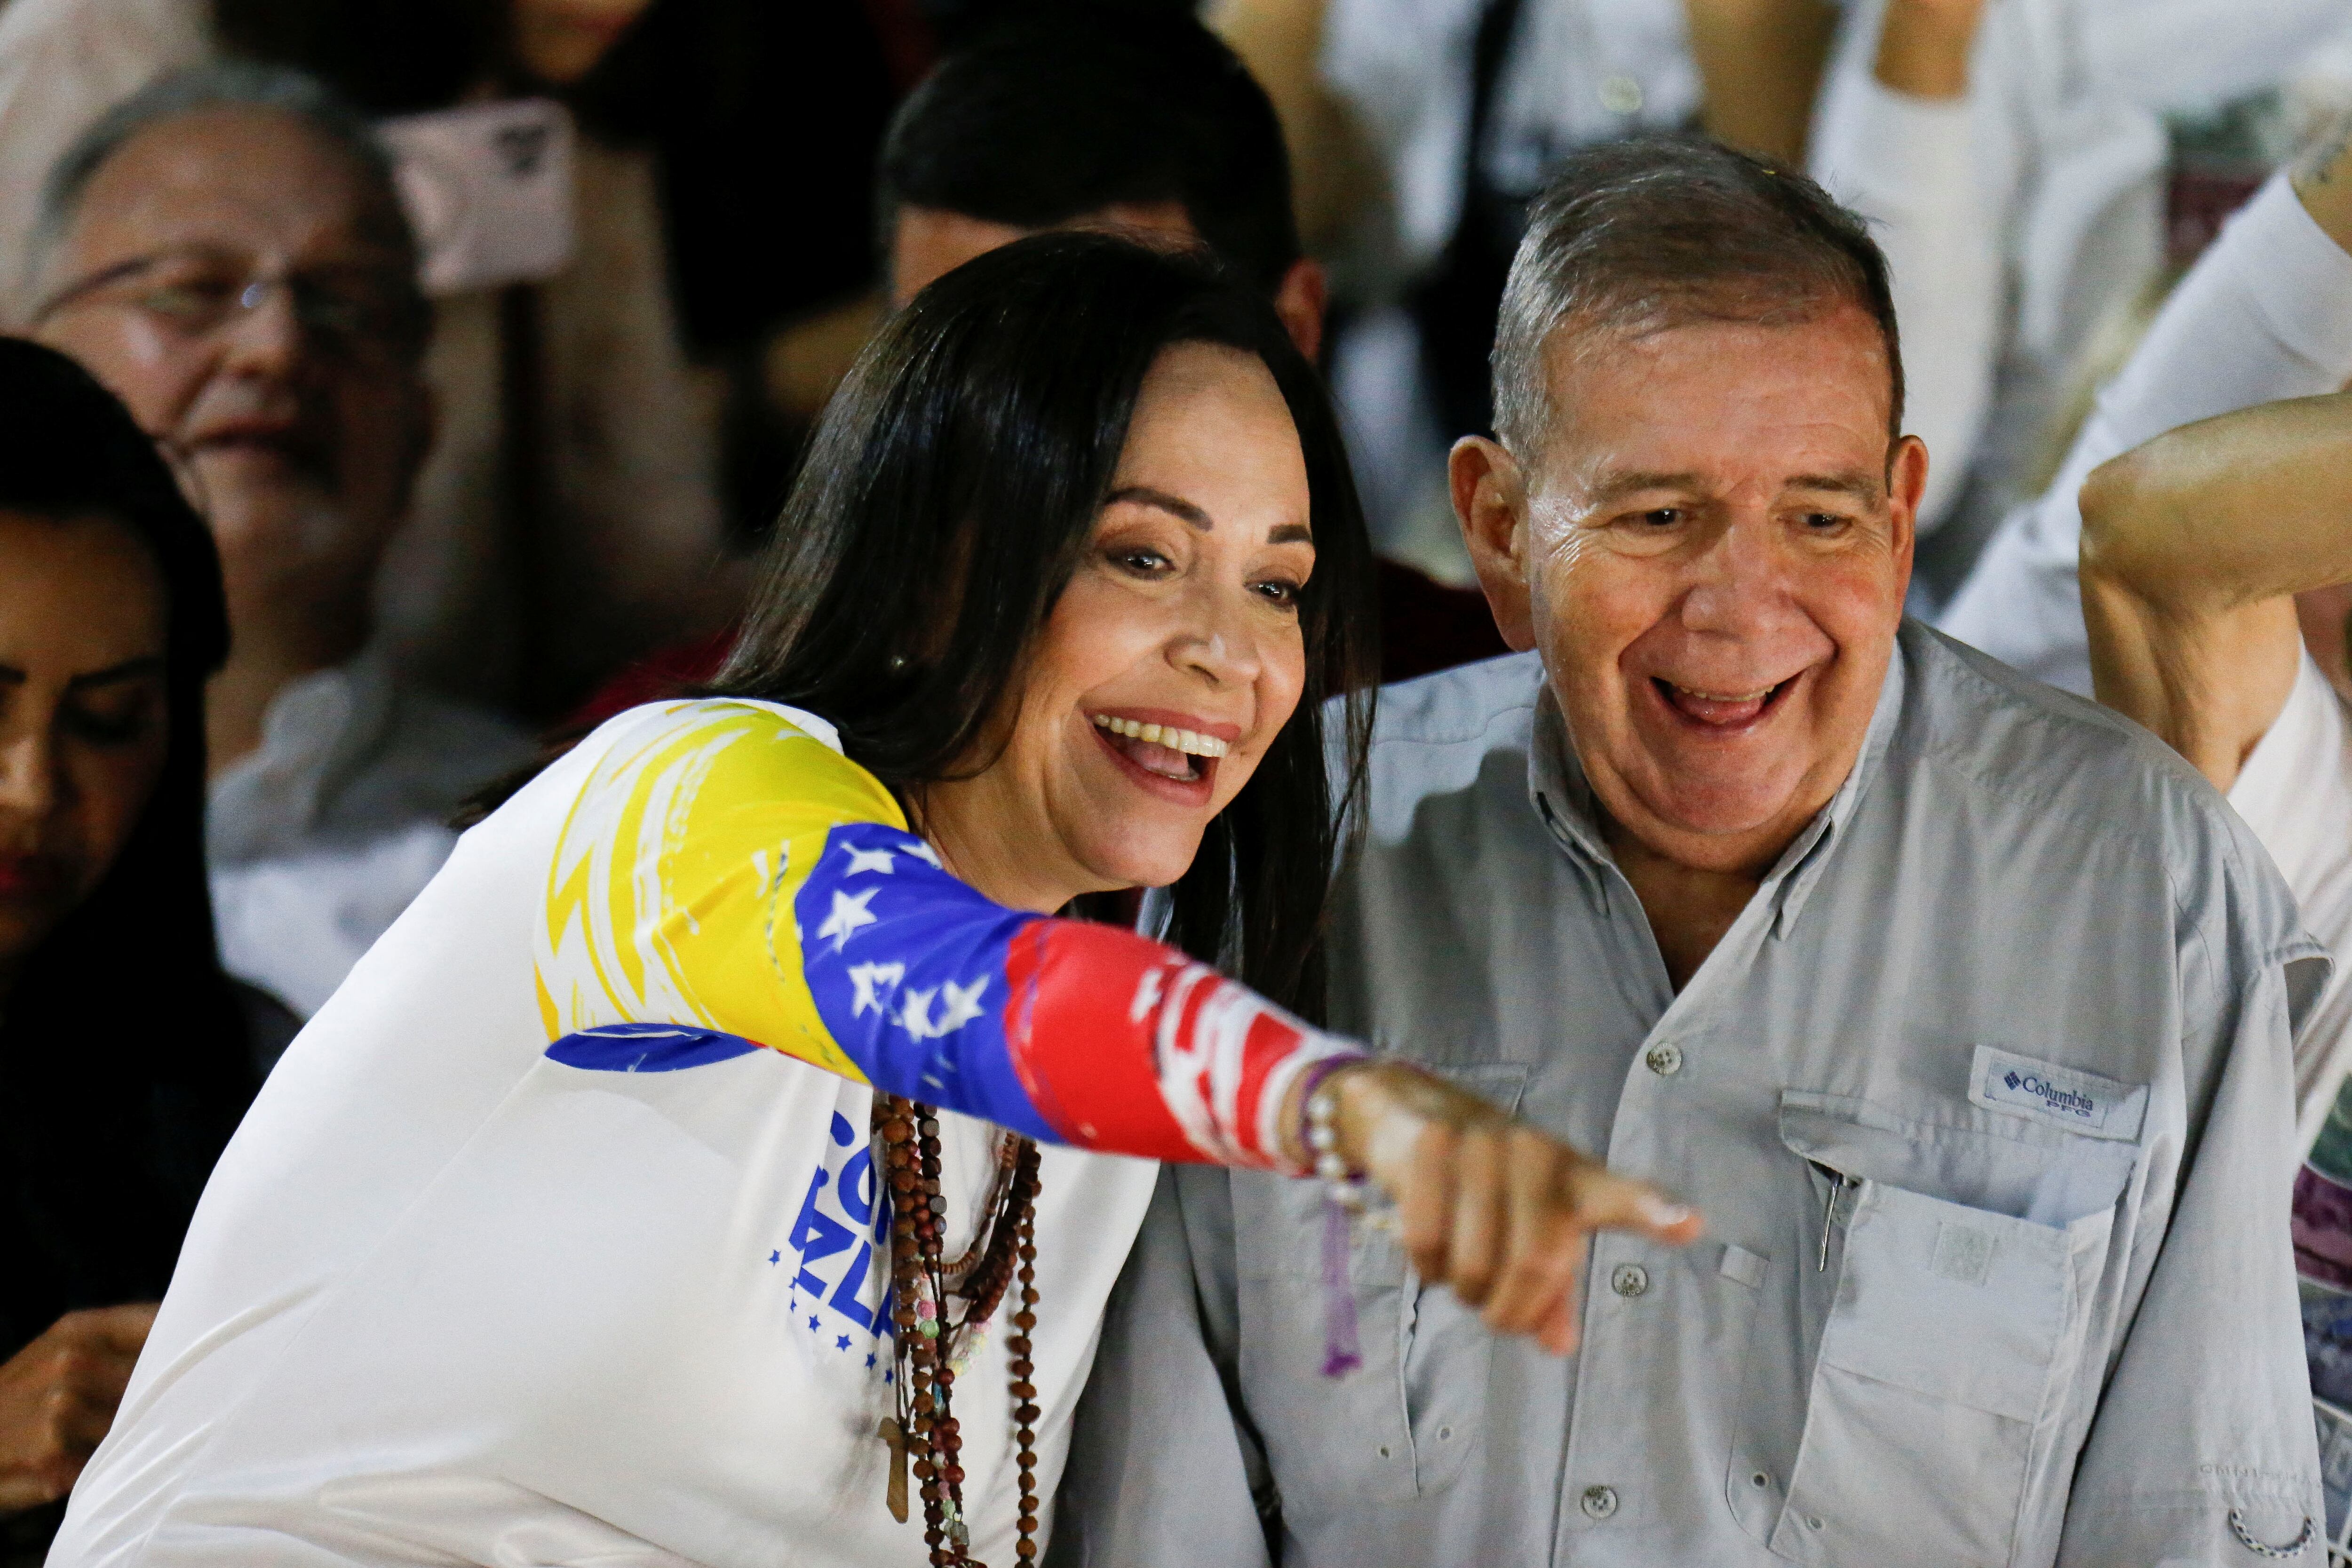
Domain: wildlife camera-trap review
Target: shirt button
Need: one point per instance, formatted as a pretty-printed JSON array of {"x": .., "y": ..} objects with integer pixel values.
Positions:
[
  {"x": 1599, "y": 1502},
  {"x": 1665, "y": 1060},
  {"x": 1621, "y": 95},
  {"x": 1630, "y": 1279}
]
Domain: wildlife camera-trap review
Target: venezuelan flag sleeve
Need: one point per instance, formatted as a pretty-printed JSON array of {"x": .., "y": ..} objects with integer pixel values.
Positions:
[{"x": 727, "y": 880}]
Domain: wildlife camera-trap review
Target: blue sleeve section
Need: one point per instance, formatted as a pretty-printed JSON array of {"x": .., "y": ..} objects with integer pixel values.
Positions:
[
  {"x": 646, "y": 1048},
  {"x": 907, "y": 968}
]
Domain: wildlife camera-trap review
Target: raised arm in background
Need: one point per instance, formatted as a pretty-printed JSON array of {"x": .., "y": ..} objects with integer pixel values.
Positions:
[
  {"x": 2266, "y": 314},
  {"x": 1760, "y": 61},
  {"x": 2194, "y": 545}
]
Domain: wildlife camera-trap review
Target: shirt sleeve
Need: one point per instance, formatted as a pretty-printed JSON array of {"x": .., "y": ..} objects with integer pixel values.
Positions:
[
  {"x": 2202, "y": 1449},
  {"x": 2266, "y": 314},
  {"x": 727, "y": 880}
]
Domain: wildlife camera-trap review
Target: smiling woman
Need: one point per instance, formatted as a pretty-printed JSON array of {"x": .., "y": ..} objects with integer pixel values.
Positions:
[
  {"x": 1223, "y": 590},
  {"x": 711, "y": 1161}
]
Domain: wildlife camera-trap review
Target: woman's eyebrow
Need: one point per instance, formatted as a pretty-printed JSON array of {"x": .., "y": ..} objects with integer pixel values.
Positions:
[
  {"x": 1176, "y": 505},
  {"x": 129, "y": 669},
  {"x": 1291, "y": 533}
]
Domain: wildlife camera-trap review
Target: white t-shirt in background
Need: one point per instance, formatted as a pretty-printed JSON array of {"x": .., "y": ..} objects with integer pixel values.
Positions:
[{"x": 2295, "y": 793}]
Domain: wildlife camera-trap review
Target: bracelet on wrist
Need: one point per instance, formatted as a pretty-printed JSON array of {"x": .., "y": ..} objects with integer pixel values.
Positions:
[{"x": 1343, "y": 1184}]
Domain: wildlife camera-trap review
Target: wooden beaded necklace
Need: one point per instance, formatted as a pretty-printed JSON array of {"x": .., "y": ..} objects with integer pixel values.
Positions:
[{"x": 1004, "y": 1250}]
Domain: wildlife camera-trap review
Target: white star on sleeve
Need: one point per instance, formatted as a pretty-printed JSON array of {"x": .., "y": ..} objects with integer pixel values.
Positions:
[
  {"x": 915, "y": 1018},
  {"x": 926, "y": 854},
  {"x": 959, "y": 1005},
  {"x": 849, "y": 913},
  {"x": 866, "y": 977},
  {"x": 881, "y": 860}
]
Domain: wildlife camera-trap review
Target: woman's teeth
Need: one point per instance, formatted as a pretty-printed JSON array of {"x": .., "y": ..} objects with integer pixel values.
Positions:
[{"x": 1166, "y": 735}]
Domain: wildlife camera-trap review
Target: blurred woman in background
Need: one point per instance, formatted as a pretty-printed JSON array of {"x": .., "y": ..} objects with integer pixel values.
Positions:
[{"x": 126, "y": 1057}]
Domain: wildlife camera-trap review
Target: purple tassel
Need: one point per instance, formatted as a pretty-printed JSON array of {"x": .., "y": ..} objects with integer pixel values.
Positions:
[{"x": 1342, "y": 1354}]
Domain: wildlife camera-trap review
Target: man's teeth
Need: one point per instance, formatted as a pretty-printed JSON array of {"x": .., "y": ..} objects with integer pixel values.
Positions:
[
  {"x": 1164, "y": 735},
  {"x": 1756, "y": 696}
]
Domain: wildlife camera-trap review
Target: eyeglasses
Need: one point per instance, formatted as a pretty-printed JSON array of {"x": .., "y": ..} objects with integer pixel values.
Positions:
[{"x": 355, "y": 310}]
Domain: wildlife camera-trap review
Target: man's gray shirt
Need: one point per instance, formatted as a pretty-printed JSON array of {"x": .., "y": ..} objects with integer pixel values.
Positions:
[{"x": 2012, "y": 1013}]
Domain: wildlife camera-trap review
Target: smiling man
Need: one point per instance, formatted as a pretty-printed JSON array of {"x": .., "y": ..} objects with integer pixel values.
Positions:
[
  {"x": 225, "y": 251},
  {"x": 1959, "y": 1007}
]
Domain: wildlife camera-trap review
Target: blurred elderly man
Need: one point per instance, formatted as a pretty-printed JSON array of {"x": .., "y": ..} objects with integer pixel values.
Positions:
[
  {"x": 1959, "y": 1007},
  {"x": 226, "y": 252}
]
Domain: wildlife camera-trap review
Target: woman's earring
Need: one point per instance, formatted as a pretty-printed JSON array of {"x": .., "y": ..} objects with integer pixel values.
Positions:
[{"x": 898, "y": 664}]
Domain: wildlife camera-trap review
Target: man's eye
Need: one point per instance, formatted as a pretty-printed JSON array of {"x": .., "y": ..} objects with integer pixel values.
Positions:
[
  {"x": 1823, "y": 521},
  {"x": 188, "y": 299},
  {"x": 1661, "y": 517}
]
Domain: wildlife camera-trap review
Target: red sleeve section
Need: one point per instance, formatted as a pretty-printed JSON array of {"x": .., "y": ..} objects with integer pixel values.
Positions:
[{"x": 1123, "y": 1044}]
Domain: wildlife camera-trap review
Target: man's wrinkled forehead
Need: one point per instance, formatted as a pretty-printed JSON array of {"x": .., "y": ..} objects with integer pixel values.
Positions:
[
  {"x": 233, "y": 177},
  {"x": 1651, "y": 407}
]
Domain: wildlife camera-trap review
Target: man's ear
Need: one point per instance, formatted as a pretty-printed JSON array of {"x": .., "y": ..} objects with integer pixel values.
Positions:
[
  {"x": 1306, "y": 289},
  {"x": 1906, "y": 481},
  {"x": 1490, "y": 498}
]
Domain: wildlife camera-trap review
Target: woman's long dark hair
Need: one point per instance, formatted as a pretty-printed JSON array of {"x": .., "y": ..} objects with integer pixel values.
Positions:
[
  {"x": 969, "y": 454},
  {"x": 123, "y": 1055}
]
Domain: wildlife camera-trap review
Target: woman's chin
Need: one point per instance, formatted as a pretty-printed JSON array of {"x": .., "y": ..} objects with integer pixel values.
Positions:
[{"x": 1146, "y": 857}]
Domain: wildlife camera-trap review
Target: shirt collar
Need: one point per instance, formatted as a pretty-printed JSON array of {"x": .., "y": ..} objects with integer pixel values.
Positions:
[
  {"x": 317, "y": 735},
  {"x": 1562, "y": 796}
]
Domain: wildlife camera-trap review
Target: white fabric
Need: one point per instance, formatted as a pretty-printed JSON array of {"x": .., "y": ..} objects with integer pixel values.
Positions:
[
  {"x": 2026, "y": 234},
  {"x": 2295, "y": 792},
  {"x": 1909, "y": 166},
  {"x": 1403, "y": 67},
  {"x": 2266, "y": 314},
  {"x": 444, "y": 1303},
  {"x": 321, "y": 836}
]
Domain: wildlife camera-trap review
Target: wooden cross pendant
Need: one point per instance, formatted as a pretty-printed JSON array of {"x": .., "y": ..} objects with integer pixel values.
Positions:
[{"x": 894, "y": 1436}]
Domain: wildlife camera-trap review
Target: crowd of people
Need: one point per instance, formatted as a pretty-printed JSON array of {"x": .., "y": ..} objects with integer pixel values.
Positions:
[{"x": 1521, "y": 781}]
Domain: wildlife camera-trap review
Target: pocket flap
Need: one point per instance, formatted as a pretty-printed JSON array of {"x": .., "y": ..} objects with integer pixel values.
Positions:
[
  {"x": 2053, "y": 1179},
  {"x": 1500, "y": 1084}
]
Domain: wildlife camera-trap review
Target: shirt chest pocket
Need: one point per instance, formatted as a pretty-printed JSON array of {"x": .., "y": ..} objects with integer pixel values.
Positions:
[{"x": 1953, "y": 1332}]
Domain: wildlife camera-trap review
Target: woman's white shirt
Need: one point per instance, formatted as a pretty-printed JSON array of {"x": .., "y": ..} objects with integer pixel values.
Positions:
[
  {"x": 448, "y": 1300},
  {"x": 2295, "y": 792}
]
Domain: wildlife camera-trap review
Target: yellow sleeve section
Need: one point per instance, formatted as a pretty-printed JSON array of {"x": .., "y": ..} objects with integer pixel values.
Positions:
[{"x": 670, "y": 895}]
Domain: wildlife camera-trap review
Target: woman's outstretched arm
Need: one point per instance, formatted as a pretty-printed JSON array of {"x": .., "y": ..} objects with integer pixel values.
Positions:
[{"x": 730, "y": 882}]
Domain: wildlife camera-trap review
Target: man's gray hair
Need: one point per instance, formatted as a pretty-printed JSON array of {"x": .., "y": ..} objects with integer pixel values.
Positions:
[
  {"x": 1634, "y": 236},
  {"x": 226, "y": 84}
]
